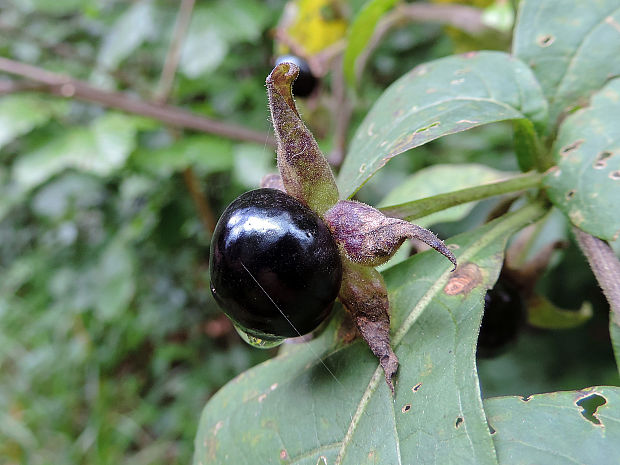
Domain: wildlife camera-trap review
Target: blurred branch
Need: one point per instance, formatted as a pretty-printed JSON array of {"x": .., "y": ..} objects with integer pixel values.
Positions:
[
  {"x": 174, "y": 51},
  {"x": 605, "y": 266},
  {"x": 466, "y": 18},
  {"x": 342, "y": 112},
  {"x": 204, "y": 209},
  {"x": 68, "y": 87},
  {"x": 205, "y": 213},
  {"x": 64, "y": 50}
]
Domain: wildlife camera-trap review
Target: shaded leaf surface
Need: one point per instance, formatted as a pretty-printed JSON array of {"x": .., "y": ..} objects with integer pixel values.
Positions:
[
  {"x": 134, "y": 27},
  {"x": 291, "y": 410},
  {"x": 563, "y": 44},
  {"x": 438, "y": 179},
  {"x": 220, "y": 25},
  {"x": 100, "y": 148},
  {"x": 206, "y": 153},
  {"x": 586, "y": 184},
  {"x": 526, "y": 432},
  {"x": 21, "y": 113},
  {"x": 442, "y": 97}
]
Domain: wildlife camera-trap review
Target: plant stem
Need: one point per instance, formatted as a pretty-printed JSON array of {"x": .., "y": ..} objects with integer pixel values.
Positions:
[
  {"x": 605, "y": 266},
  {"x": 428, "y": 205}
]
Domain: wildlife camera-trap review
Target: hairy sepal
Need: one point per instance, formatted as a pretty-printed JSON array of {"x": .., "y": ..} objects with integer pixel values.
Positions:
[
  {"x": 305, "y": 173},
  {"x": 364, "y": 295},
  {"x": 370, "y": 238}
]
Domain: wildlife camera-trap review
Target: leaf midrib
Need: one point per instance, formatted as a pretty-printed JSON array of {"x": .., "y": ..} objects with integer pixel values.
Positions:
[{"x": 529, "y": 213}]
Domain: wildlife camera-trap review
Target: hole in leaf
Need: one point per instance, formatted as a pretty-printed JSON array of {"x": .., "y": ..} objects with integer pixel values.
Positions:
[
  {"x": 571, "y": 147},
  {"x": 601, "y": 160},
  {"x": 322, "y": 460},
  {"x": 406, "y": 408},
  {"x": 426, "y": 128},
  {"x": 491, "y": 429},
  {"x": 416, "y": 387},
  {"x": 459, "y": 422},
  {"x": 545, "y": 40},
  {"x": 590, "y": 405},
  {"x": 526, "y": 398},
  {"x": 570, "y": 194}
]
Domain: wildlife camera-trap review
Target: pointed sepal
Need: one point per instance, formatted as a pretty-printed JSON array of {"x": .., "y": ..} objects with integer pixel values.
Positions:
[
  {"x": 364, "y": 295},
  {"x": 304, "y": 170},
  {"x": 370, "y": 238}
]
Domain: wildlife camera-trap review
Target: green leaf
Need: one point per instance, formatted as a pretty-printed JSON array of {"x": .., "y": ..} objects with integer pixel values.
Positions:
[
  {"x": 572, "y": 47},
  {"x": 585, "y": 185},
  {"x": 134, "y": 27},
  {"x": 101, "y": 149},
  {"x": 559, "y": 428},
  {"x": 442, "y": 97},
  {"x": 114, "y": 284},
  {"x": 208, "y": 154},
  {"x": 542, "y": 313},
  {"x": 360, "y": 32},
  {"x": 439, "y": 179},
  {"x": 251, "y": 163},
  {"x": 291, "y": 409},
  {"x": 219, "y": 25},
  {"x": 614, "y": 331},
  {"x": 57, "y": 7},
  {"x": 21, "y": 113}
]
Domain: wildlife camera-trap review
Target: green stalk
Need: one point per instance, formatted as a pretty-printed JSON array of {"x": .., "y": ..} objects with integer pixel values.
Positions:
[{"x": 423, "y": 207}]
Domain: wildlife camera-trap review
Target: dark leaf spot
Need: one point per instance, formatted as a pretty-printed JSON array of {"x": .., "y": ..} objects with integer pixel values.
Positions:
[
  {"x": 571, "y": 147},
  {"x": 545, "y": 40},
  {"x": 590, "y": 405},
  {"x": 459, "y": 421},
  {"x": 283, "y": 454},
  {"x": 615, "y": 175},
  {"x": 491, "y": 429},
  {"x": 601, "y": 160},
  {"x": 464, "y": 280},
  {"x": 406, "y": 408},
  {"x": 570, "y": 194},
  {"x": 526, "y": 398}
]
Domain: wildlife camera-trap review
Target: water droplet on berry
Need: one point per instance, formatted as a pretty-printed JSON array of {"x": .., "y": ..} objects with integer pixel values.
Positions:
[{"x": 254, "y": 341}]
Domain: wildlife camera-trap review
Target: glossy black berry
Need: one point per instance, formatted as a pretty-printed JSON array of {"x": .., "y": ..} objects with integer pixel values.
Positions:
[
  {"x": 275, "y": 268},
  {"x": 306, "y": 82},
  {"x": 504, "y": 312}
]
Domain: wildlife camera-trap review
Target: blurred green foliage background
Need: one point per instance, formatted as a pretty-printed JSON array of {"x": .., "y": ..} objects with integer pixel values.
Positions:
[{"x": 110, "y": 341}]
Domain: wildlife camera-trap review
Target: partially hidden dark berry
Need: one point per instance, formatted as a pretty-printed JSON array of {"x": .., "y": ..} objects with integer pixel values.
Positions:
[
  {"x": 306, "y": 82},
  {"x": 275, "y": 268},
  {"x": 504, "y": 315}
]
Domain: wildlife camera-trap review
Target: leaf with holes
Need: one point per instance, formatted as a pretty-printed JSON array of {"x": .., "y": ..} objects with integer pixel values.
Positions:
[
  {"x": 585, "y": 185},
  {"x": 572, "y": 47},
  {"x": 526, "y": 429},
  {"x": 442, "y": 97},
  {"x": 291, "y": 409}
]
